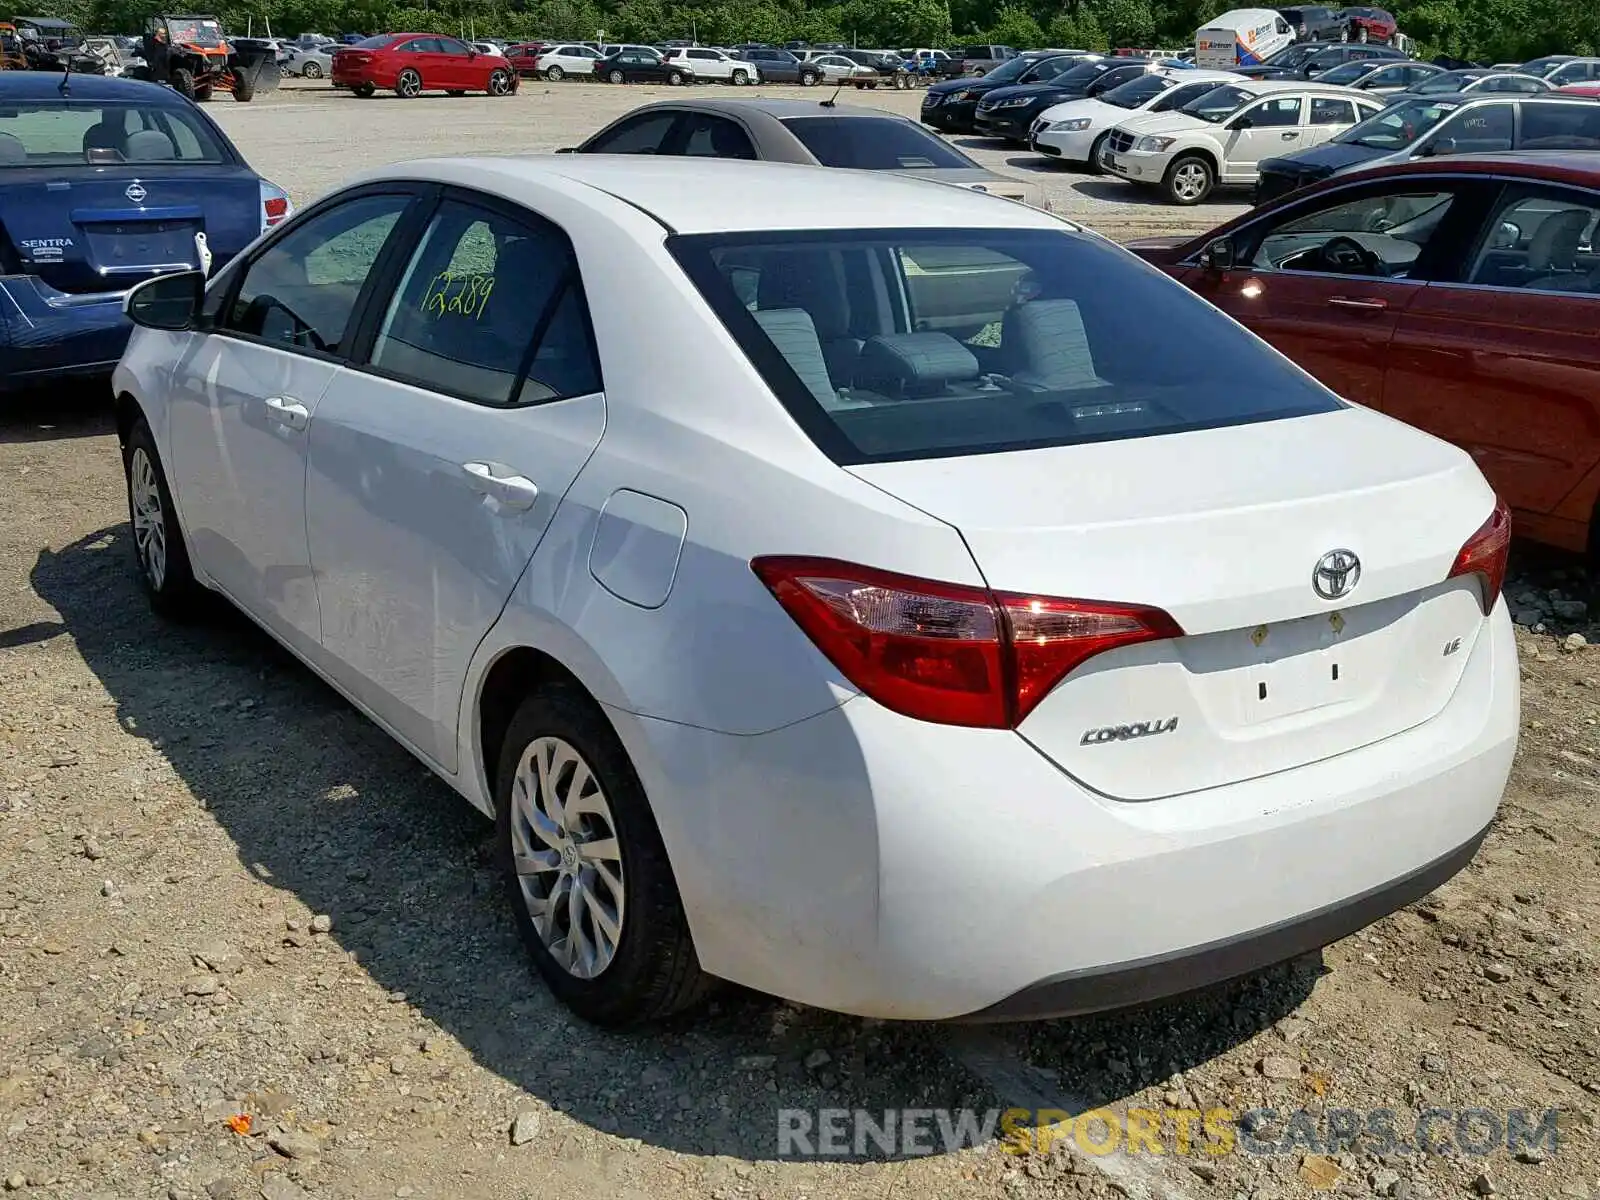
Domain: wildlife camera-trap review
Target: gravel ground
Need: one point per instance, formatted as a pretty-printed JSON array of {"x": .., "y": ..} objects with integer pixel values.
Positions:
[{"x": 249, "y": 948}]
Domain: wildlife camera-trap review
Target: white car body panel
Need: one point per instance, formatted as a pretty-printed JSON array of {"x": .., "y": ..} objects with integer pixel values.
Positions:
[
  {"x": 1073, "y": 126},
  {"x": 762, "y": 763}
]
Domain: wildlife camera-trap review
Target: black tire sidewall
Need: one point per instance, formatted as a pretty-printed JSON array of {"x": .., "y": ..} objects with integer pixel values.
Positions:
[{"x": 631, "y": 988}]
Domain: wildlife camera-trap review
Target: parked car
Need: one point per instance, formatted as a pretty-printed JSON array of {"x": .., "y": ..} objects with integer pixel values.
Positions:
[
  {"x": 1383, "y": 78},
  {"x": 524, "y": 58},
  {"x": 727, "y": 662},
  {"x": 634, "y": 66},
  {"x": 886, "y": 67},
  {"x": 836, "y": 68},
  {"x": 620, "y": 48},
  {"x": 155, "y": 185},
  {"x": 1320, "y": 59},
  {"x": 1577, "y": 70},
  {"x": 1375, "y": 281},
  {"x": 1580, "y": 89},
  {"x": 1432, "y": 126},
  {"x": 1312, "y": 23},
  {"x": 489, "y": 47},
  {"x": 1542, "y": 66},
  {"x": 309, "y": 64},
  {"x": 935, "y": 64},
  {"x": 1010, "y": 112},
  {"x": 781, "y": 66},
  {"x": 1075, "y": 130},
  {"x": 1450, "y": 83},
  {"x": 951, "y": 106},
  {"x": 413, "y": 63},
  {"x": 707, "y": 64},
  {"x": 980, "y": 60},
  {"x": 804, "y": 132},
  {"x": 1369, "y": 24},
  {"x": 1284, "y": 63},
  {"x": 1241, "y": 37},
  {"x": 1221, "y": 138},
  {"x": 556, "y": 62}
]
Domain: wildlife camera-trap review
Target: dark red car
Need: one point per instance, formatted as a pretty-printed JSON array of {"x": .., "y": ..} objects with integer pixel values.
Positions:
[
  {"x": 1363, "y": 24},
  {"x": 412, "y": 63},
  {"x": 524, "y": 57},
  {"x": 1459, "y": 294}
]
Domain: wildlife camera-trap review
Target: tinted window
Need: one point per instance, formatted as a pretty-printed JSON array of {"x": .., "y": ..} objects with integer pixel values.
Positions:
[
  {"x": 1482, "y": 129},
  {"x": 1279, "y": 111},
  {"x": 38, "y": 133},
  {"x": 1541, "y": 239},
  {"x": 374, "y": 43},
  {"x": 451, "y": 46},
  {"x": 1010, "y": 339},
  {"x": 637, "y": 135},
  {"x": 302, "y": 290},
  {"x": 1513, "y": 83},
  {"x": 1397, "y": 127},
  {"x": 1216, "y": 104},
  {"x": 490, "y": 309},
  {"x": 1332, "y": 112},
  {"x": 1178, "y": 97},
  {"x": 873, "y": 143},
  {"x": 1136, "y": 91},
  {"x": 1344, "y": 73},
  {"x": 706, "y": 136},
  {"x": 1560, "y": 127}
]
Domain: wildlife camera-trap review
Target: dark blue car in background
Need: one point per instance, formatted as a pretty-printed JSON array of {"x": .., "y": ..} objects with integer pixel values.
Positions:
[{"x": 103, "y": 183}]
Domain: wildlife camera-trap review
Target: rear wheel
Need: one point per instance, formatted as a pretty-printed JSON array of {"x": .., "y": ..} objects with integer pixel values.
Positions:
[
  {"x": 364, "y": 90},
  {"x": 244, "y": 88},
  {"x": 1362, "y": 35},
  {"x": 408, "y": 86},
  {"x": 740, "y": 78},
  {"x": 1189, "y": 180},
  {"x": 613, "y": 76},
  {"x": 182, "y": 80},
  {"x": 158, "y": 549},
  {"x": 202, "y": 92},
  {"x": 501, "y": 83},
  {"x": 809, "y": 79},
  {"x": 554, "y": 74},
  {"x": 312, "y": 71},
  {"x": 587, "y": 874},
  {"x": 675, "y": 79}
]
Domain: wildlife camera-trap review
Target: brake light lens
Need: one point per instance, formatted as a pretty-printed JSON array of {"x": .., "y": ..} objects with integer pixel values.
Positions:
[
  {"x": 948, "y": 653},
  {"x": 1485, "y": 553},
  {"x": 275, "y": 205}
]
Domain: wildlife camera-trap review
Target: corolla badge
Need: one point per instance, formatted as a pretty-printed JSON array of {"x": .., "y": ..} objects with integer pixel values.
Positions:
[
  {"x": 1336, "y": 574},
  {"x": 136, "y": 193},
  {"x": 1124, "y": 733}
]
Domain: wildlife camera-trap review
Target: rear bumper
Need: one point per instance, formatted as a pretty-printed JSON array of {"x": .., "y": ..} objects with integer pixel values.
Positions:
[
  {"x": 865, "y": 862},
  {"x": 46, "y": 334}
]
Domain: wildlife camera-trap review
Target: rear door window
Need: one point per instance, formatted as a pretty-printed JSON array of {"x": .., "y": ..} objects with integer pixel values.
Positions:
[
  {"x": 706, "y": 136},
  {"x": 1325, "y": 111},
  {"x": 929, "y": 343},
  {"x": 1560, "y": 126}
]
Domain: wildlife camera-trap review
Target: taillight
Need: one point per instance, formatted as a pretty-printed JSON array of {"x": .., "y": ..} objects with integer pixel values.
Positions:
[
  {"x": 275, "y": 205},
  {"x": 1485, "y": 554},
  {"x": 949, "y": 653}
]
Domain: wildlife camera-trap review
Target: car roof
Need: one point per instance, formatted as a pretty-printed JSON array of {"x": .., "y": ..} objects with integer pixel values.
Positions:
[
  {"x": 43, "y": 85},
  {"x": 1263, "y": 87},
  {"x": 772, "y": 106},
  {"x": 1566, "y": 166},
  {"x": 712, "y": 195}
]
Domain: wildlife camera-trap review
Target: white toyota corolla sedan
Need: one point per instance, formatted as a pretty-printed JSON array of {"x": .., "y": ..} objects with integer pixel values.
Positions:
[{"x": 884, "y": 596}]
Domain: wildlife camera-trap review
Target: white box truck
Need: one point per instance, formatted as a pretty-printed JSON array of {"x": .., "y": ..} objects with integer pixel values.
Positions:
[{"x": 1243, "y": 37}]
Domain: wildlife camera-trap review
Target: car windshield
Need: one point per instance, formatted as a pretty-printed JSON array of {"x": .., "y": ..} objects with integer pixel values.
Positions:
[
  {"x": 1079, "y": 73},
  {"x": 1136, "y": 91},
  {"x": 1293, "y": 56},
  {"x": 1397, "y": 127},
  {"x": 197, "y": 31},
  {"x": 1216, "y": 104},
  {"x": 994, "y": 340},
  {"x": 60, "y": 133},
  {"x": 1345, "y": 73},
  {"x": 1449, "y": 81},
  {"x": 374, "y": 43},
  {"x": 1011, "y": 69},
  {"x": 874, "y": 144}
]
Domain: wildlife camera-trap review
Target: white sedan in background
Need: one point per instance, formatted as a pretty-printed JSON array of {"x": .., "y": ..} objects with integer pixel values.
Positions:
[
  {"x": 911, "y": 619},
  {"x": 1075, "y": 130}
]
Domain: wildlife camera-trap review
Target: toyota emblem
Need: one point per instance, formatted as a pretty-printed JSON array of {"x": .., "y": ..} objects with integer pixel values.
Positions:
[
  {"x": 136, "y": 193},
  {"x": 1336, "y": 574}
]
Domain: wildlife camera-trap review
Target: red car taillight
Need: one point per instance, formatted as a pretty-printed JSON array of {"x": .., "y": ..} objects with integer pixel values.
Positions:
[
  {"x": 948, "y": 653},
  {"x": 1486, "y": 552}
]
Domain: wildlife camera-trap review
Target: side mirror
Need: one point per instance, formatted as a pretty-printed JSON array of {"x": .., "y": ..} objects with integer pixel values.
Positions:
[
  {"x": 169, "y": 302},
  {"x": 1218, "y": 255}
]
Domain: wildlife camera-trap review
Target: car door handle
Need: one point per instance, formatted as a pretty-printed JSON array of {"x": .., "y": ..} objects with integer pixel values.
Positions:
[
  {"x": 1293, "y": 133},
  {"x": 516, "y": 492},
  {"x": 1360, "y": 305},
  {"x": 289, "y": 412}
]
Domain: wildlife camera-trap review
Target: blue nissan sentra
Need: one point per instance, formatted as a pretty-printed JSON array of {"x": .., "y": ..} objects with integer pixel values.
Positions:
[{"x": 103, "y": 183}]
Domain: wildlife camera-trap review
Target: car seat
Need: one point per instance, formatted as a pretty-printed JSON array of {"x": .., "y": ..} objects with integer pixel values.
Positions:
[
  {"x": 12, "y": 151},
  {"x": 109, "y": 133},
  {"x": 811, "y": 280},
  {"x": 794, "y": 335},
  {"x": 727, "y": 142},
  {"x": 1553, "y": 252},
  {"x": 1046, "y": 346}
]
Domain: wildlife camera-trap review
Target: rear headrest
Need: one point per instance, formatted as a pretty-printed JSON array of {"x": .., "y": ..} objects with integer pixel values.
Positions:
[
  {"x": 914, "y": 360},
  {"x": 807, "y": 279},
  {"x": 103, "y": 135},
  {"x": 149, "y": 145},
  {"x": 12, "y": 151}
]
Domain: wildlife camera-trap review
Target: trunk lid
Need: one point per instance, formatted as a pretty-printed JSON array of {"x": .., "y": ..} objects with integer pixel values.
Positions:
[
  {"x": 106, "y": 230},
  {"x": 1223, "y": 529}
]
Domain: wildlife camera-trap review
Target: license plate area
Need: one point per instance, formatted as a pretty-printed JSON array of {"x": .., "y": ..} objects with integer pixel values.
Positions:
[
  {"x": 136, "y": 245},
  {"x": 1294, "y": 667}
]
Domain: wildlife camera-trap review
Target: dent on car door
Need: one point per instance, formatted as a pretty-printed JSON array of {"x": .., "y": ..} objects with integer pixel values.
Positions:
[
  {"x": 1505, "y": 362},
  {"x": 1326, "y": 281},
  {"x": 245, "y": 395},
  {"x": 438, "y": 465}
]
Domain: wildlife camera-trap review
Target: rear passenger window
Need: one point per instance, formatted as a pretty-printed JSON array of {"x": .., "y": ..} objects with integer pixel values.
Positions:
[
  {"x": 716, "y": 137},
  {"x": 302, "y": 290},
  {"x": 490, "y": 309},
  {"x": 1560, "y": 127},
  {"x": 1332, "y": 112}
]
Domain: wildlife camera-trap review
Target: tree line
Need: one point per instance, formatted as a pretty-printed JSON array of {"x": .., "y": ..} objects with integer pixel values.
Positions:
[{"x": 1486, "y": 30}]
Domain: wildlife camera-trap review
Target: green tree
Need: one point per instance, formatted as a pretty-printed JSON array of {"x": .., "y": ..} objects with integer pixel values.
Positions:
[
  {"x": 1016, "y": 27},
  {"x": 1080, "y": 32}
]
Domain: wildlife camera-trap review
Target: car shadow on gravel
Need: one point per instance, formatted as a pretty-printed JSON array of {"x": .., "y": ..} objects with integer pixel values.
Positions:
[
  {"x": 62, "y": 410},
  {"x": 322, "y": 804}
]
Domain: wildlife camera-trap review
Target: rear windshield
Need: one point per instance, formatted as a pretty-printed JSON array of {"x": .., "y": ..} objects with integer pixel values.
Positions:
[
  {"x": 923, "y": 343},
  {"x": 374, "y": 43},
  {"x": 873, "y": 144},
  {"x": 60, "y": 133}
]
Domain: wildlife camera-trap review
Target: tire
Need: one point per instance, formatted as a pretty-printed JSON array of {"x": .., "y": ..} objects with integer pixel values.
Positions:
[
  {"x": 675, "y": 79},
  {"x": 1094, "y": 153},
  {"x": 182, "y": 81},
  {"x": 809, "y": 79},
  {"x": 408, "y": 84},
  {"x": 1189, "y": 180},
  {"x": 312, "y": 71},
  {"x": 159, "y": 552},
  {"x": 501, "y": 83},
  {"x": 1344, "y": 34},
  {"x": 901, "y": 83},
  {"x": 1362, "y": 35},
  {"x": 244, "y": 88},
  {"x": 365, "y": 91},
  {"x": 614, "y": 77},
  {"x": 202, "y": 93},
  {"x": 554, "y": 74},
  {"x": 740, "y": 78},
  {"x": 651, "y": 970}
]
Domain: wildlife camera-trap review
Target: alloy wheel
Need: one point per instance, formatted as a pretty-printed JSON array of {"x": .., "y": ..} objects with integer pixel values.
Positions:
[
  {"x": 567, "y": 856},
  {"x": 149, "y": 519},
  {"x": 1189, "y": 181},
  {"x": 499, "y": 83},
  {"x": 409, "y": 84}
]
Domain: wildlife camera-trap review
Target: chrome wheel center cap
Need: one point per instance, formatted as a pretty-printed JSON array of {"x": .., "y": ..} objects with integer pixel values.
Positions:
[{"x": 569, "y": 857}]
